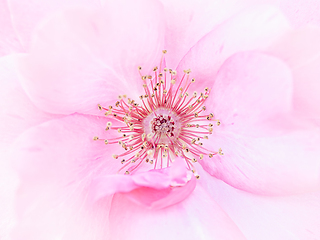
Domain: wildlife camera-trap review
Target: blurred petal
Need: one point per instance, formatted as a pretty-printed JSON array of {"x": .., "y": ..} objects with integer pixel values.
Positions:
[
  {"x": 57, "y": 162},
  {"x": 301, "y": 12},
  {"x": 17, "y": 112},
  {"x": 261, "y": 217},
  {"x": 9, "y": 42},
  {"x": 300, "y": 49},
  {"x": 153, "y": 189},
  {"x": 197, "y": 217},
  {"x": 26, "y": 15},
  {"x": 250, "y": 88},
  {"x": 188, "y": 21},
  {"x": 81, "y": 58},
  {"x": 253, "y": 29},
  {"x": 277, "y": 165}
]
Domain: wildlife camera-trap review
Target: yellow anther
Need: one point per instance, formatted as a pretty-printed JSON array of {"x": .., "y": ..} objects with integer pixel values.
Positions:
[
  {"x": 143, "y": 136},
  {"x": 194, "y": 160},
  {"x": 165, "y": 69},
  {"x": 201, "y": 156},
  {"x": 143, "y": 78},
  {"x": 193, "y": 140},
  {"x": 115, "y": 156},
  {"x": 120, "y": 97},
  {"x": 210, "y": 155},
  {"x": 123, "y": 161},
  {"x": 174, "y": 72},
  {"x": 205, "y": 137},
  {"x": 193, "y": 80},
  {"x": 204, "y": 108},
  {"x": 144, "y": 85},
  {"x": 173, "y": 81},
  {"x": 220, "y": 152},
  {"x": 99, "y": 106},
  {"x": 95, "y": 138},
  {"x": 127, "y": 172},
  {"x": 155, "y": 69},
  {"x": 109, "y": 124},
  {"x": 164, "y": 51},
  {"x": 196, "y": 115},
  {"x": 107, "y": 128},
  {"x": 197, "y": 177},
  {"x": 139, "y": 68},
  {"x": 106, "y": 141},
  {"x": 119, "y": 130},
  {"x": 218, "y": 123}
]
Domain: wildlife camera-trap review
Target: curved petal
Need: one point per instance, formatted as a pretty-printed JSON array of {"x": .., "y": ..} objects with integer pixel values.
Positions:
[
  {"x": 301, "y": 12},
  {"x": 56, "y": 162},
  {"x": 154, "y": 189},
  {"x": 276, "y": 165},
  {"x": 250, "y": 89},
  {"x": 188, "y": 21},
  {"x": 300, "y": 49},
  {"x": 82, "y": 57},
  {"x": 197, "y": 217},
  {"x": 28, "y": 14},
  {"x": 253, "y": 29},
  {"x": 262, "y": 217},
  {"x": 9, "y": 41},
  {"x": 17, "y": 112}
]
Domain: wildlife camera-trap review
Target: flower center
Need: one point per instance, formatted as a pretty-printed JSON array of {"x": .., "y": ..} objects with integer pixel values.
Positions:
[
  {"x": 163, "y": 125},
  {"x": 166, "y": 124}
]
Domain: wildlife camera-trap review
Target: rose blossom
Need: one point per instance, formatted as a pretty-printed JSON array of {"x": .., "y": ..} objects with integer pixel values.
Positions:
[{"x": 260, "y": 90}]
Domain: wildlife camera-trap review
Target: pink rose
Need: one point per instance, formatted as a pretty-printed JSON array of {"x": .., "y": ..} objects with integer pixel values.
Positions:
[{"x": 250, "y": 131}]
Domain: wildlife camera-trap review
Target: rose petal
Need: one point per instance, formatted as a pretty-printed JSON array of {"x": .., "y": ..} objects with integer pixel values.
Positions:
[
  {"x": 196, "y": 217},
  {"x": 28, "y": 14},
  {"x": 268, "y": 165},
  {"x": 250, "y": 89},
  {"x": 261, "y": 217},
  {"x": 183, "y": 19},
  {"x": 253, "y": 29},
  {"x": 80, "y": 58},
  {"x": 9, "y": 41},
  {"x": 17, "y": 112},
  {"x": 57, "y": 162},
  {"x": 301, "y": 12},
  {"x": 300, "y": 49},
  {"x": 153, "y": 189}
]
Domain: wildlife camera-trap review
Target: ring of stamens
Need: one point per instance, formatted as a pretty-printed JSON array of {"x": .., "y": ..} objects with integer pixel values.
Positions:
[{"x": 168, "y": 122}]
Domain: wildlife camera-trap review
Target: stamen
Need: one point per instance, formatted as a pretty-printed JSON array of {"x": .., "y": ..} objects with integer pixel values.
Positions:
[{"x": 167, "y": 123}]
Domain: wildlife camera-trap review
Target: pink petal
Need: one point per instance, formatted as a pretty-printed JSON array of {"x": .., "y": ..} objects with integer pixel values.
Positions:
[
  {"x": 261, "y": 217},
  {"x": 57, "y": 161},
  {"x": 268, "y": 165},
  {"x": 86, "y": 60},
  {"x": 250, "y": 89},
  {"x": 184, "y": 18},
  {"x": 154, "y": 189},
  {"x": 17, "y": 112},
  {"x": 9, "y": 41},
  {"x": 301, "y": 12},
  {"x": 197, "y": 217},
  {"x": 252, "y": 29},
  {"x": 300, "y": 50},
  {"x": 28, "y": 14}
]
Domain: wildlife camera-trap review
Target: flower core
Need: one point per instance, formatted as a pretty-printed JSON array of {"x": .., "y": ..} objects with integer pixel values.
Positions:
[{"x": 167, "y": 123}]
